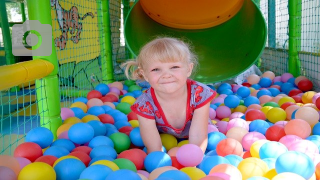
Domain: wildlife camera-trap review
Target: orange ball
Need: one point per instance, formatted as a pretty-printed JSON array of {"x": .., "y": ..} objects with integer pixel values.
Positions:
[
  {"x": 63, "y": 128},
  {"x": 229, "y": 146},
  {"x": 269, "y": 74},
  {"x": 253, "y": 79},
  {"x": 307, "y": 97},
  {"x": 10, "y": 162},
  {"x": 298, "y": 127},
  {"x": 289, "y": 110},
  {"x": 308, "y": 114}
]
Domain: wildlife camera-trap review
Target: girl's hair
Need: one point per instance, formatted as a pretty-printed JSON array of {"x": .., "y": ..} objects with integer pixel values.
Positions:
[{"x": 162, "y": 49}]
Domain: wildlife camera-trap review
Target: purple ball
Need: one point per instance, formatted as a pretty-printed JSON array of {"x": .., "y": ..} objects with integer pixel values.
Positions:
[
  {"x": 285, "y": 77},
  {"x": 66, "y": 113},
  {"x": 277, "y": 79},
  {"x": 7, "y": 173}
]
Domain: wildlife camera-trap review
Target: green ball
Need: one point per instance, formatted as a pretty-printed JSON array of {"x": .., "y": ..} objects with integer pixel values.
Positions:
[
  {"x": 241, "y": 102},
  {"x": 123, "y": 163},
  {"x": 272, "y": 104},
  {"x": 134, "y": 87},
  {"x": 121, "y": 141},
  {"x": 129, "y": 83},
  {"x": 124, "y": 107}
]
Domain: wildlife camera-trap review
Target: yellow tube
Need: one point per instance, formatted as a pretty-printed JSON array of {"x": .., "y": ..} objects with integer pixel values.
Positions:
[{"x": 15, "y": 74}]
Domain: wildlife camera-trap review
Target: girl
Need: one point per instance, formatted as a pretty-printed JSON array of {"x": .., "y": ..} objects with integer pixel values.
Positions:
[{"x": 174, "y": 104}]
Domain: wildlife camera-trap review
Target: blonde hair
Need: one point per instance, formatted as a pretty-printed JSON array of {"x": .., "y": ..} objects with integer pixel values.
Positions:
[{"x": 162, "y": 49}]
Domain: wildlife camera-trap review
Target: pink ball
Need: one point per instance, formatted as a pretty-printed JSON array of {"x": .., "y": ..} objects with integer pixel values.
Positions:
[
  {"x": 223, "y": 112},
  {"x": 236, "y": 115},
  {"x": 277, "y": 79},
  {"x": 212, "y": 113},
  {"x": 63, "y": 135},
  {"x": 287, "y": 140},
  {"x": 250, "y": 138},
  {"x": 23, "y": 161},
  {"x": 66, "y": 113},
  {"x": 286, "y": 76},
  {"x": 238, "y": 122},
  {"x": 281, "y": 123},
  {"x": 189, "y": 155},
  {"x": 212, "y": 128},
  {"x": 253, "y": 79},
  {"x": 115, "y": 90},
  {"x": 7, "y": 173},
  {"x": 94, "y": 102},
  {"x": 217, "y": 100},
  {"x": 304, "y": 146},
  {"x": 315, "y": 97},
  {"x": 265, "y": 98},
  {"x": 235, "y": 88},
  {"x": 223, "y": 96},
  {"x": 143, "y": 172},
  {"x": 222, "y": 126}
]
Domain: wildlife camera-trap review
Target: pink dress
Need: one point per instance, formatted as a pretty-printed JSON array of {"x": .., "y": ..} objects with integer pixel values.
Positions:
[{"x": 148, "y": 106}]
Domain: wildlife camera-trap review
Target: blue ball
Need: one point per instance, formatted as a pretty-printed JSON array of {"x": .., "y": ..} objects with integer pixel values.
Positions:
[
  {"x": 106, "y": 108},
  {"x": 41, "y": 136},
  {"x": 100, "y": 140},
  {"x": 118, "y": 115},
  {"x": 135, "y": 137},
  {"x": 174, "y": 175},
  {"x": 223, "y": 86},
  {"x": 69, "y": 169},
  {"x": 123, "y": 174},
  {"x": 102, "y": 88},
  {"x": 211, "y": 153},
  {"x": 143, "y": 84},
  {"x": 78, "y": 112},
  {"x": 213, "y": 106},
  {"x": 121, "y": 123},
  {"x": 234, "y": 159},
  {"x": 271, "y": 162},
  {"x": 81, "y": 133},
  {"x": 102, "y": 157},
  {"x": 263, "y": 92},
  {"x": 314, "y": 137},
  {"x": 163, "y": 149},
  {"x": 265, "y": 82},
  {"x": 96, "y": 110},
  {"x": 66, "y": 143},
  {"x": 267, "y": 150},
  {"x": 99, "y": 128},
  {"x": 103, "y": 150},
  {"x": 291, "y": 80},
  {"x": 251, "y": 100},
  {"x": 211, "y": 87},
  {"x": 81, "y": 99},
  {"x": 274, "y": 91},
  {"x": 232, "y": 101},
  {"x": 128, "y": 94},
  {"x": 227, "y": 92},
  {"x": 258, "y": 125},
  {"x": 125, "y": 87},
  {"x": 209, "y": 162},
  {"x": 157, "y": 159},
  {"x": 136, "y": 93},
  {"x": 214, "y": 138},
  {"x": 243, "y": 92},
  {"x": 111, "y": 131},
  {"x": 295, "y": 162},
  {"x": 286, "y": 87},
  {"x": 96, "y": 172},
  {"x": 279, "y": 83},
  {"x": 56, "y": 151},
  {"x": 256, "y": 86}
]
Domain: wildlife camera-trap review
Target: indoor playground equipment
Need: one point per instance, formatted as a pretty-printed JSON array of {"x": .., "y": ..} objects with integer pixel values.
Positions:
[{"x": 67, "y": 115}]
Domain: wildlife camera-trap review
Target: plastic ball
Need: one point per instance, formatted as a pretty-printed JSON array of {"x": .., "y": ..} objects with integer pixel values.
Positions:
[
  {"x": 168, "y": 141},
  {"x": 121, "y": 141},
  {"x": 237, "y": 122},
  {"x": 124, "y": 107},
  {"x": 193, "y": 172},
  {"x": 298, "y": 127},
  {"x": 29, "y": 150},
  {"x": 69, "y": 168},
  {"x": 253, "y": 79},
  {"x": 237, "y": 133},
  {"x": 66, "y": 143},
  {"x": 295, "y": 162},
  {"x": 98, "y": 127},
  {"x": 81, "y": 133},
  {"x": 56, "y": 151},
  {"x": 240, "y": 108},
  {"x": 250, "y": 138},
  {"x": 103, "y": 150},
  {"x": 251, "y": 100},
  {"x": 255, "y": 147},
  {"x": 254, "y": 115},
  {"x": 294, "y": 92},
  {"x": 96, "y": 172},
  {"x": 123, "y": 163},
  {"x": 272, "y": 149},
  {"x": 211, "y": 161},
  {"x": 41, "y": 136},
  {"x": 38, "y": 170},
  {"x": 305, "y": 85},
  {"x": 84, "y": 157},
  {"x": 174, "y": 174},
  {"x": 94, "y": 102},
  {"x": 94, "y": 94},
  {"x": 96, "y": 110},
  {"x": 7, "y": 173},
  {"x": 229, "y": 146},
  {"x": 309, "y": 114},
  {"x": 223, "y": 112},
  {"x": 304, "y": 146},
  {"x": 265, "y": 82},
  {"x": 137, "y": 156},
  {"x": 11, "y": 163},
  {"x": 85, "y": 149},
  {"x": 286, "y": 76},
  {"x": 232, "y": 101},
  {"x": 106, "y": 119},
  {"x": 288, "y": 176},
  {"x": 100, "y": 140},
  {"x": 66, "y": 113},
  {"x": 243, "y": 92},
  {"x": 275, "y": 133},
  {"x": 102, "y": 88},
  {"x": 260, "y": 126},
  {"x": 268, "y": 74},
  {"x": 234, "y": 159},
  {"x": 213, "y": 139},
  {"x": 274, "y": 91},
  {"x": 48, "y": 159},
  {"x": 289, "y": 110},
  {"x": 288, "y": 140},
  {"x": 276, "y": 114},
  {"x": 307, "y": 97},
  {"x": 156, "y": 159},
  {"x": 251, "y": 167},
  {"x": 265, "y": 98},
  {"x": 155, "y": 174},
  {"x": 226, "y": 169},
  {"x": 189, "y": 155}
]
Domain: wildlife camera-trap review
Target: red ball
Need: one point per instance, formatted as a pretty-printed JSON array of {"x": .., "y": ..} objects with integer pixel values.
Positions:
[
  {"x": 175, "y": 163},
  {"x": 229, "y": 146},
  {"x": 297, "y": 99},
  {"x": 29, "y": 150},
  {"x": 47, "y": 159},
  {"x": 137, "y": 156},
  {"x": 85, "y": 149},
  {"x": 305, "y": 85},
  {"x": 254, "y": 114},
  {"x": 132, "y": 116},
  {"x": 294, "y": 92},
  {"x": 106, "y": 119},
  {"x": 126, "y": 129},
  {"x": 94, "y": 94},
  {"x": 84, "y": 157},
  {"x": 246, "y": 84},
  {"x": 275, "y": 133},
  {"x": 317, "y": 103},
  {"x": 109, "y": 98},
  {"x": 246, "y": 155},
  {"x": 287, "y": 104}
]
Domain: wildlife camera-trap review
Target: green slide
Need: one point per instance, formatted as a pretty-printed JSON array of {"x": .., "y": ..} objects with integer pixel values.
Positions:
[{"x": 224, "y": 51}]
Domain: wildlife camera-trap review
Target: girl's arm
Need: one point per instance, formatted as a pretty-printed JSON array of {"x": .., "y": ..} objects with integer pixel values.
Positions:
[
  {"x": 198, "y": 133},
  {"x": 150, "y": 134}
]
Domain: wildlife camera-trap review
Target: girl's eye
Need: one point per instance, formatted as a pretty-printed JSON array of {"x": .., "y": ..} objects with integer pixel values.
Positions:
[
  {"x": 175, "y": 67},
  {"x": 155, "y": 69}
]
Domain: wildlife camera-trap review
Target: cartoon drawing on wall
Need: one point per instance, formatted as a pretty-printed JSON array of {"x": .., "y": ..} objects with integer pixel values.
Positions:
[{"x": 69, "y": 20}]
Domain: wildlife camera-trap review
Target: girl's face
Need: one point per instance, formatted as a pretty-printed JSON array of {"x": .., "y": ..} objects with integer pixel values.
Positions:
[{"x": 167, "y": 77}]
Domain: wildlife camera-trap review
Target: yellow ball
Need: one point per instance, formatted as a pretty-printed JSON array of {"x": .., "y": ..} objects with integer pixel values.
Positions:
[
  {"x": 80, "y": 105},
  {"x": 307, "y": 97},
  {"x": 134, "y": 123},
  {"x": 72, "y": 120},
  {"x": 240, "y": 108},
  {"x": 63, "y": 128},
  {"x": 193, "y": 172},
  {"x": 37, "y": 171},
  {"x": 128, "y": 99},
  {"x": 286, "y": 99},
  {"x": 181, "y": 143},
  {"x": 108, "y": 163},
  {"x": 276, "y": 114},
  {"x": 270, "y": 174},
  {"x": 89, "y": 117},
  {"x": 64, "y": 157},
  {"x": 255, "y": 147},
  {"x": 287, "y": 176},
  {"x": 225, "y": 119},
  {"x": 265, "y": 109},
  {"x": 168, "y": 141},
  {"x": 252, "y": 166}
]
